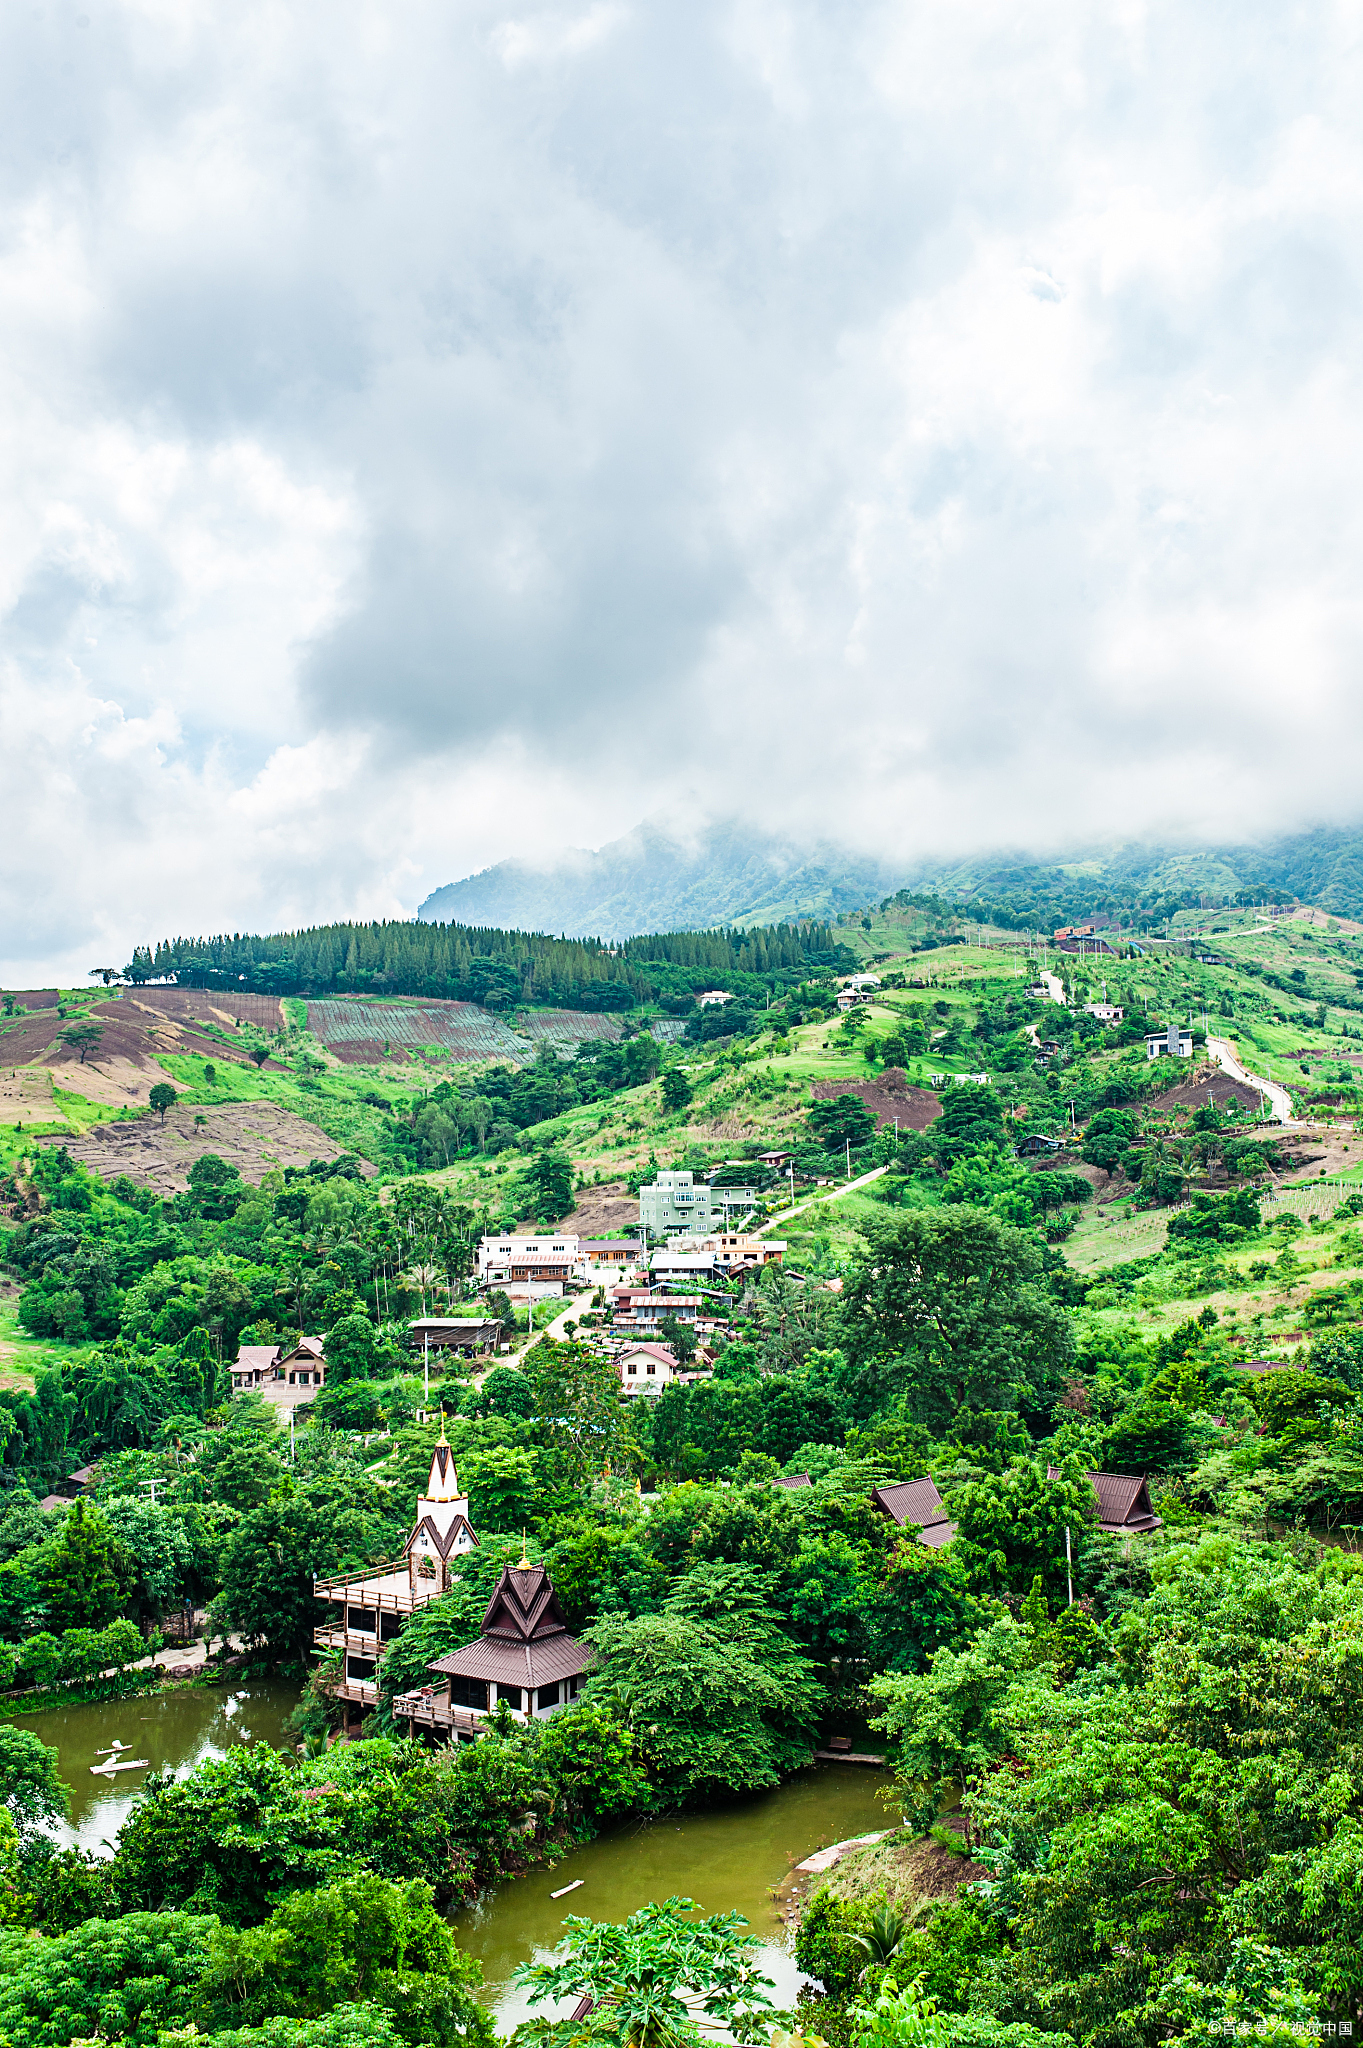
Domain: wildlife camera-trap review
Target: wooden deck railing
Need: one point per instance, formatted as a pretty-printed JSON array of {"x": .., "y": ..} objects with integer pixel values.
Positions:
[{"x": 433, "y": 1710}]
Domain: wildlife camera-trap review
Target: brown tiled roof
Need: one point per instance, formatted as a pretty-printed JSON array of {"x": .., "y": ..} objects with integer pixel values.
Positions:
[
  {"x": 917, "y": 1500},
  {"x": 1123, "y": 1502},
  {"x": 525, "y": 1640},
  {"x": 510, "y": 1663},
  {"x": 792, "y": 1479},
  {"x": 524, "y": 1606},
  {"x": 1124, "y": 1506}
]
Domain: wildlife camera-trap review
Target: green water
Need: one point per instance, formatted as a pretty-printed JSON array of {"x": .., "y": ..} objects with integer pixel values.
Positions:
[
  {"x": 173, "y": 1730},
  {"x": 727, "y": 1858}
]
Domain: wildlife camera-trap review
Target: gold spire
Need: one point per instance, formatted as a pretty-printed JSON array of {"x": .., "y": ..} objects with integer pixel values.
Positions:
[
  {"x": 442, "y": 1424},
  {"x": 525, "y": 1564}
]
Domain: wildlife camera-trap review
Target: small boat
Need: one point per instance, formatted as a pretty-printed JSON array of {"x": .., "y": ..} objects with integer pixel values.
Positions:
[
  {"x": 115, "y": 1745},
  {"x": 564, "y": 1890},
  {"x": 132, "y": 1763}
]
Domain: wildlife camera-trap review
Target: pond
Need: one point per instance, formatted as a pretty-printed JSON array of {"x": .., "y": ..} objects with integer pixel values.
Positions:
[
  {"x": 727, "y": 1858},
  {"x": 173, "y": 1730}
]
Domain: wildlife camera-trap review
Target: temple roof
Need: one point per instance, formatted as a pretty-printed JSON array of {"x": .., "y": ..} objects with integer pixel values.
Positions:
[
  {"x": 524, "y": 1606},
  {"x": 527, "y": 1664},
  {"x": 442, "y": 1541},
  {"x": 525, "y": 1640}
]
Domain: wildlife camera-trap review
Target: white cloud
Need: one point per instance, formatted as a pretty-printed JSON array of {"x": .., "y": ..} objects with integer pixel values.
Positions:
[{"x": 431, "y": 436}]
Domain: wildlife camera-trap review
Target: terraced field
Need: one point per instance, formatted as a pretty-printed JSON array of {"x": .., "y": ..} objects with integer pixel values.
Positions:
[
  {"x": 567, "y": 1027},
  {"x": 357, "y": 1032}
]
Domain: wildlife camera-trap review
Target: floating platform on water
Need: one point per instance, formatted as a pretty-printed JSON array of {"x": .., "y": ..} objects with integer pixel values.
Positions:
[
  {"x": 564, "y": 1890},
  {"x": 848, "y": 1756},
  {"x": 135, "y": 1763}
]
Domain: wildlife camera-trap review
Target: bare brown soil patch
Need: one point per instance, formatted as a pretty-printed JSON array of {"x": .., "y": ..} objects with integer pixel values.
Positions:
[
  {"x": 134, "y": 1032},
  {"x": 1207, "y": 1084},
  {"x": 255, "y": 1137},
  {"x": 607, "y": 1211},
  {"x": 161, "y": 1032},
  {"x": 26, "y": 1096},
  {"x": 226, "y": 1009},
  {"x": 25, "y": 1039},
  {"x": 118, "y": 1083},
  {"x": 887, "y": 1096},
  {"x": 34, "y": 998}
]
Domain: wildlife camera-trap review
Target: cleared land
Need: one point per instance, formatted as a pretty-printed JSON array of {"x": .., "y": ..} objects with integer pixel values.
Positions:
[
  {"x": 254, "y": 1137},
  {"x": 889, "y": 1097},
  {"x": 359, "y": 1033},
  {"x": 226, "y": 1009}
]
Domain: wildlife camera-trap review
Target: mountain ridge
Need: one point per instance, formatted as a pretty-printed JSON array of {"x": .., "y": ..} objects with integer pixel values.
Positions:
[{"x": 656, "y": 879}]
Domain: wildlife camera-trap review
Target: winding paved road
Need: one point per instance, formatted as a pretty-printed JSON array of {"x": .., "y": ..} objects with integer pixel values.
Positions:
[{"x": 1224, "y": 1054}]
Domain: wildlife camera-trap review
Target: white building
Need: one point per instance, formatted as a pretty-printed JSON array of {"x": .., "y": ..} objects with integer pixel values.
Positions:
[
  {"x": 647, "y": 1368},
  {"x": 1173, "y": 1044},
  {"x": 1106, "y": 1013},
  {"x": 549, "y": 1255}
]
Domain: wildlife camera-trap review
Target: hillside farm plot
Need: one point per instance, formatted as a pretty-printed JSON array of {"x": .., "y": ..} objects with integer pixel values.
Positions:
[
  {"x": 889, "y": 1097},
  {"x": 26, "y": 1096},
  {"x": 255, "y": 1137},
  {"x": 567, "y": 1027},
  {"x": 223, "y": 1007},
  {"x": 357, "y": 1032},
  {"x": 34, "y": 998}
]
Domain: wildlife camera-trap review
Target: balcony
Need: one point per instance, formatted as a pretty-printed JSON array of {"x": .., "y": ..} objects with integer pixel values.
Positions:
[
  {"x": 387, "y": 1588},
  {"x": 363, "y": 1692},
  {"x": 357, "y": 1642},
  {"x": 422, "y": 1709}
]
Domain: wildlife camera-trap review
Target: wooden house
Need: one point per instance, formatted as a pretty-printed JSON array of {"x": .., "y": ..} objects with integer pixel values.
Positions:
[
  {"x": 524, "y": 1659},
  {"x": 466, "y": 1336},
  {"x": 917, "y": 1501},
  {"x": 374, "y": 1604}
]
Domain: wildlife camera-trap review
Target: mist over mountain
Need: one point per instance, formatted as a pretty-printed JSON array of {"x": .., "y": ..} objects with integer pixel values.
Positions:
[
  {"x": 654, "y": 879},
  {"x": 658, "y": 879}
]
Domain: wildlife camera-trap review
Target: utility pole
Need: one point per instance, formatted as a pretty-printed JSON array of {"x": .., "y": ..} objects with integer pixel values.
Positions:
[
  {"x": 849, "y": 1159},
  {"x": 1069, "y": 1564}
]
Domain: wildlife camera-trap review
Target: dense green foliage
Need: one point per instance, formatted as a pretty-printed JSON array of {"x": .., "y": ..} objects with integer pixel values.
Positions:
[{"x": 485, "y": 965}]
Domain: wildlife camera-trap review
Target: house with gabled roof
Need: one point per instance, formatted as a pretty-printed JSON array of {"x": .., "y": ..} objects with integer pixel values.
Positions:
[
  {"x": 374, "y": 1604},
  {"x": 917, "y": 1501},
  {"x": 524, "y": 1659},
  {"x": 1124, "y": 1504}
]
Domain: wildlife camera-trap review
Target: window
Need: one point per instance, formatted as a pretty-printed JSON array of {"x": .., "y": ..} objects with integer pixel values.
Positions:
[
  {"x": 547, "y": 1696},
  {"x": 360, "y": 1619},
  {"x": 468, "y": 1692},
  {"x": 359, "y": 1667},
  {"x": 513, "y": 1695},
  {"x": 651, "y": 1368}
]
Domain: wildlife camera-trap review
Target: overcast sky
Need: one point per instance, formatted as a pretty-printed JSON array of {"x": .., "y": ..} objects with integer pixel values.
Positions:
[{"x": 437, "y": 432}]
